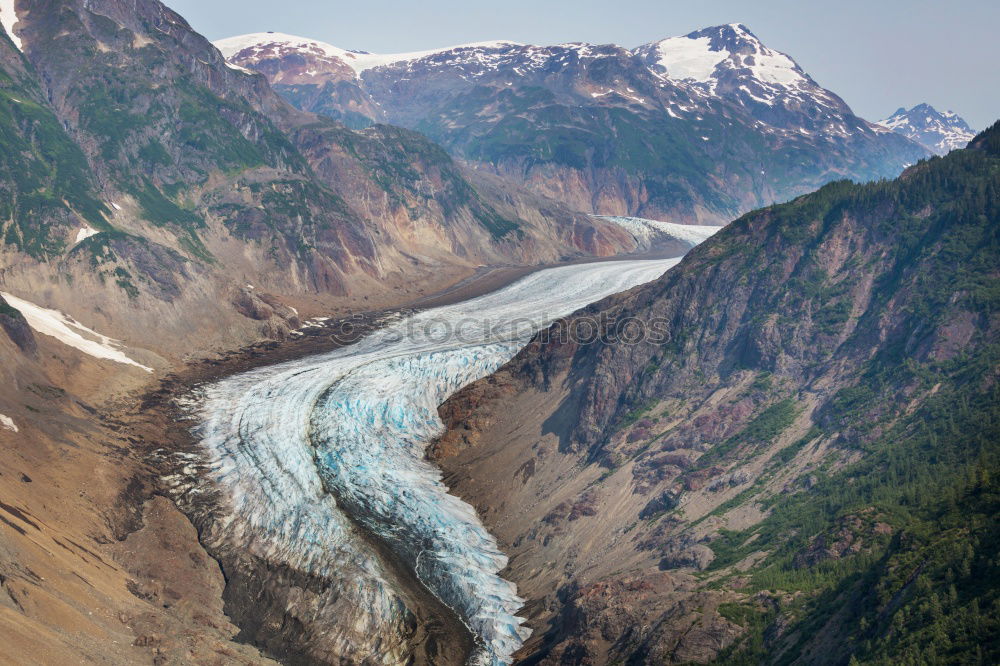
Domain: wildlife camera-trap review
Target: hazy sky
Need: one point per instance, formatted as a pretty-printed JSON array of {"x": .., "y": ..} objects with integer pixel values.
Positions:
[{"x": 876, "y": 54}]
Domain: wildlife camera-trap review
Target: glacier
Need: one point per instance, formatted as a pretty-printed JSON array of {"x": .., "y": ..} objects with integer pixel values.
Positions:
[
  {"x": 301, "y": 453},
  {"x": 646, "y": 232}
]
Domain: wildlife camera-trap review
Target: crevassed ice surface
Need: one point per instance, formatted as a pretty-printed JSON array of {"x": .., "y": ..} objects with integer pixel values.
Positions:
[{"x": 297, "y": 447}]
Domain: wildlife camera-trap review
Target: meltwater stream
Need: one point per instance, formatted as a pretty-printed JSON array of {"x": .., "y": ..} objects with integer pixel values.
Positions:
[{"x": 296, "y": 446}]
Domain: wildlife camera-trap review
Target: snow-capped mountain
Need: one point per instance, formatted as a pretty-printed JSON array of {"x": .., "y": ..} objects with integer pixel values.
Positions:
[
  {"x": 326, "y": 79},
  {"x": 697, "y": 128},
  {"x": 727, "y": 62},
  {"x": 940, "y": 132},
  {"x": 262, "y": 45},
  {"x": 730, "y": 62}
]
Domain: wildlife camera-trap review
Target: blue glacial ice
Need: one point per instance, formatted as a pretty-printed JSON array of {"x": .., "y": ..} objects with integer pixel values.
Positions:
[{"x": 299, "y": 449}]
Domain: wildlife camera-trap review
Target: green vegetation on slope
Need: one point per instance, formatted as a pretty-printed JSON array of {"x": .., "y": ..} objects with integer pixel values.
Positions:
[
  {"x": 926, "y": 589},
  {"x": 44, "y": 177}
]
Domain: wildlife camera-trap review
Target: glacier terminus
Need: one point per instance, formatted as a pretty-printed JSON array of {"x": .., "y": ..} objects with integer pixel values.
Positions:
[{"x": 301, "y": 453}]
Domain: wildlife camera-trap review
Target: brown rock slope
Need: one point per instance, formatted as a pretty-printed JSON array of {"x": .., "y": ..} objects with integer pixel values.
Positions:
[{"x": 90, "y": 571}]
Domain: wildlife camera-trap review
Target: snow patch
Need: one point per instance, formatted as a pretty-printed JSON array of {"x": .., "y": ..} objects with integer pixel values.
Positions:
[
  {"x": 774, "y": 67},
  {"x": 8, "y": 17},
  {"x": 70, "y": 332},
  {"x": 7, "y": 423},
  {"x": 85, "y": 233},
  {"x": 686, "y": 58},
  {"x": 237, "y": 68}
]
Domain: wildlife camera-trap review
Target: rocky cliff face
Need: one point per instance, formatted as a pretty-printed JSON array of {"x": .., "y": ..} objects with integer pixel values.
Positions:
[
  {"x": 773, "y": 442},
  {"x": 48, "y": 190},
  {"x": 17, "y": 329},
  {"x": 644, "y": 132}
]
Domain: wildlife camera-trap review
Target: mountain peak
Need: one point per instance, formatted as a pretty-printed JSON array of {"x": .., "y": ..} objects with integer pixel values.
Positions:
[
  {"x": 707, "y": 55},
  {"x": 730, "y": 36},
  {"x": 731, "y": 61},
  {"x": 940, "y": 132}
]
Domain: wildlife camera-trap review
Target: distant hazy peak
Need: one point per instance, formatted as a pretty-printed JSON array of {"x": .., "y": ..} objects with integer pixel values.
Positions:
[{"x": 940, "y": 132}]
